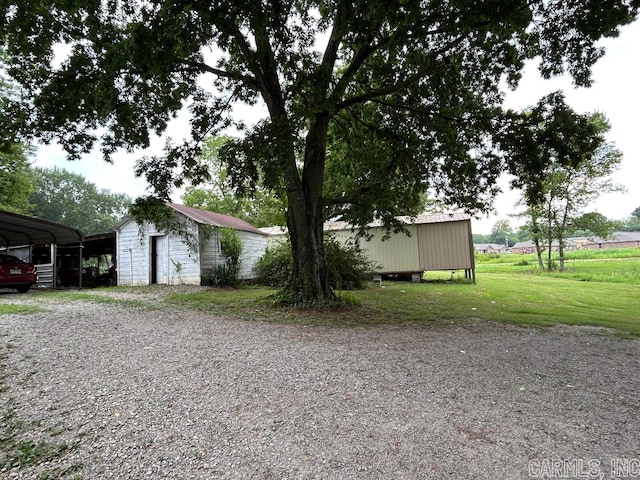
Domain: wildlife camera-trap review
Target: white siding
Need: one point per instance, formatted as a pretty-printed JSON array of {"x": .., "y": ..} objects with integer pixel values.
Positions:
[
  {"x": 134, "y": 244},
  {"x": 132, "y": 254},
  {"x": 184, "y": 265},
  {"x": 210, "y": 256},
  {"x": 253, "y": 248},
  {"x": 177, "y": 264}
]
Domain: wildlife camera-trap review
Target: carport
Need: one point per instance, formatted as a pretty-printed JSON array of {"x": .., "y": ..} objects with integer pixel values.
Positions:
[{"x": 24, "y": 231}]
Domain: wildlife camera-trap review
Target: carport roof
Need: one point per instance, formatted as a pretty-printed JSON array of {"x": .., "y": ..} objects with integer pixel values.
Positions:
[{"x": 18, "y": 229}]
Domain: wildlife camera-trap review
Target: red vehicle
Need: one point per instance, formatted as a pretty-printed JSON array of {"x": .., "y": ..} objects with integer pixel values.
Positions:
[{"x": 16, "y": 273}]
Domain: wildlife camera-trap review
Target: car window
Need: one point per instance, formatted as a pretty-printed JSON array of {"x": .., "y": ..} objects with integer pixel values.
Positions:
[{"x": 9, "y": 259}]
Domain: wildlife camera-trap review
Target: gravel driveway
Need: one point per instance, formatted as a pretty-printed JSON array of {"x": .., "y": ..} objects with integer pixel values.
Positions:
[{"x": 142, "y": 391}]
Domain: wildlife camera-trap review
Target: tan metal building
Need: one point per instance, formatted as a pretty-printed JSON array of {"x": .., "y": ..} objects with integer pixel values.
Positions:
[{"x": 435, "y": 242}]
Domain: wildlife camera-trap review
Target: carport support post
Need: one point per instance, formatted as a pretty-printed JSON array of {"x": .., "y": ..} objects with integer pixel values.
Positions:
[
  {"x": 80, "y": 267},
  {"x": 472, "y": 254},
  {"x": 54, "y": 265}
]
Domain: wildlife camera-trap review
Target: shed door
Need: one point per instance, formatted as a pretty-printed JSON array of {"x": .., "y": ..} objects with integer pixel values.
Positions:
[{"x": 159, "y": 259}]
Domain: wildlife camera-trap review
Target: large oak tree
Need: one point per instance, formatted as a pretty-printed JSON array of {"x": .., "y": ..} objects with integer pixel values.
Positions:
[{"x": 369, "y": 102}]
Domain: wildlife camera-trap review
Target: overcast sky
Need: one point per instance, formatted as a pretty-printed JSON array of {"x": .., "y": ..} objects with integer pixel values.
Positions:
[{"x": 615, "y": 93}]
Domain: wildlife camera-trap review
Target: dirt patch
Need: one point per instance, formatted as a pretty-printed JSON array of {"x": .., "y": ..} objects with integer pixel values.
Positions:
[{"x": 141, "y": 392}]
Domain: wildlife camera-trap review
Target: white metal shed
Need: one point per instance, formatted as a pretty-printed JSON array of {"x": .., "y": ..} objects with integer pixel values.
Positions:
[{"x": 147, "y": 255}]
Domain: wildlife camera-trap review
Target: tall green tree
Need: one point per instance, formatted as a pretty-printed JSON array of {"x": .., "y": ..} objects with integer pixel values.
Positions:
[
  {"x": 480, "y": 238},
  {"x": 562, "y": 163},
  {"x": 593, "y": 224},
  {"x": 632, "y": 224},
  {"x": 258, "y": 206},
  {"x": 502, "y": 233},
  {"x": 415, "y": 83},
  {"x": 68, "y": 198},
  {"x": 523, "y": 234},
  {"x": 16, "y": 183},
  {"x": 16, "y": 180}
]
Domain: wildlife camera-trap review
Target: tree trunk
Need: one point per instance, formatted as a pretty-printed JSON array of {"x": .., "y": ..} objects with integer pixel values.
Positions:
[
  {"x": 561, "y": 253},
  {"x": 561, "y": 229},
  {"x": 536, "y": 239},
  {"x": 549, "y": 250},
  {"x": 309, "y": 282},
  {"x": 549, "y": 233}
]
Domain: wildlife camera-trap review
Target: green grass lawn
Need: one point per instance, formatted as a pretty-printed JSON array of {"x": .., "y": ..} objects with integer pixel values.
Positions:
[
  {"x": 613, "y": 270},
  {"x": 517, "y": 296},
  {"x": 611, "y": 266}
]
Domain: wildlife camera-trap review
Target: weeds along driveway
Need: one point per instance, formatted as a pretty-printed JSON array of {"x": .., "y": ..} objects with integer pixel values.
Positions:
[{"x": 136, "y": 391}]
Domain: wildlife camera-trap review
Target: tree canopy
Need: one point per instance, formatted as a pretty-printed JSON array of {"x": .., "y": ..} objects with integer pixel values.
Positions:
[
  {"x": 593, "y": 224},
  {"x": 367, "y": 104},
  {"x": 68, "y": 198},
  {"x": 260, "y": 206},
  {"x": 16, "y": 183},
  {"x": 562, "y": 162},
  {"x": 632, "y": 224},
  {"x": 502, "y": 233}
]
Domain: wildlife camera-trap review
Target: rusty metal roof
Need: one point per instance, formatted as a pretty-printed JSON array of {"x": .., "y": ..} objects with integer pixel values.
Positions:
[{"x": 215, "y": 219}]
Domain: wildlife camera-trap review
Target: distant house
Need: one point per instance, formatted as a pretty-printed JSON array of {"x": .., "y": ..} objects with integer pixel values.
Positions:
[
  {"x": 524, "y": 247},
  {"x": 617, "y": 240},
  {"x": 146, "y": 255},
  {"x": 574, "y": 243},
  {"x": 529, "y": 247},
  {"x": 489, "y": 248}
]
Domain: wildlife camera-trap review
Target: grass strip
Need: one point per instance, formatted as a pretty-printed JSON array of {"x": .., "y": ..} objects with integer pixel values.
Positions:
[
  {"x": 519, "y": 299},
  {"x": 9, "y": 308}
]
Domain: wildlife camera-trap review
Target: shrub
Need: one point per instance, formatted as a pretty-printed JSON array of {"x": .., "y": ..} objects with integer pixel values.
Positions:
[
  {"x": 486, "y": 257},
  {"x": 219, "y": 276},
  {"x": 274, "y": 268},
  {"x": 231, "y": 249},
  {"x": 347, "y": 266},
  {"x": 226, "y": 275}
]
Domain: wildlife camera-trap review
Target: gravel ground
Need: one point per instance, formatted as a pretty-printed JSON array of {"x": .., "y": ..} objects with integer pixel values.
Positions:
[{"x": 142, "y": 391}]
